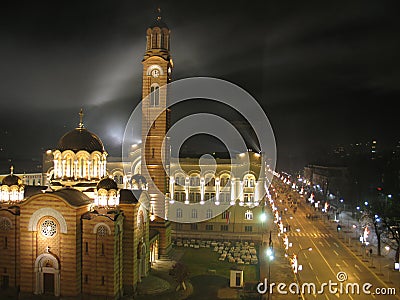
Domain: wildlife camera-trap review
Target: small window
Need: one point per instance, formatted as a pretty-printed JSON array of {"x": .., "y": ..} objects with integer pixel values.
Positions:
[
  {"x": 86, "y": 278},
  {"x": 102, "y": 248},
  {"x": 248, "y": 228},
  {"x": 5, "y": 242},
  {"x": 209, "y": 227},
  {"x": 224, "y": 227},
  {"x": 103, "y": 280},
  {"x": 152, "y": 152},
  {"x": 193, "y": 226},
  {"x": 209, "y": 214},
  {"x": 179, "y": 213},
  {"x": 248, "y": 215},
  {"x": 86, "y": 247},
  {"x": 194, "y": 213},
  {"x": 179, "y": 226}
]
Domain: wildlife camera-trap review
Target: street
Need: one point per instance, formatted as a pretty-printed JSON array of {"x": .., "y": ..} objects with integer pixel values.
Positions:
[{"x": 324, "y": 255}]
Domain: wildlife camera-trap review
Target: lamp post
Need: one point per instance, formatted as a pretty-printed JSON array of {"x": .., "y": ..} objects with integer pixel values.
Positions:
[
  {"x": 270, "y": 254},
  {"x": 263, "y": 218}
]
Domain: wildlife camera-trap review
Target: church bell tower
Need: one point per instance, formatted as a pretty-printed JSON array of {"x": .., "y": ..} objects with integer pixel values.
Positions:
[{"x": 157, "y": 68}]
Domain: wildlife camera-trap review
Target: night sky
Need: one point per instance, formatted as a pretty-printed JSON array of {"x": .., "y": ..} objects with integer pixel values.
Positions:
[{"x": 325, "y": 72}]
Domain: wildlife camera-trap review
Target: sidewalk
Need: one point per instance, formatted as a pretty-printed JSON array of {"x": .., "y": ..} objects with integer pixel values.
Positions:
[{"x": 382, "y": 266}]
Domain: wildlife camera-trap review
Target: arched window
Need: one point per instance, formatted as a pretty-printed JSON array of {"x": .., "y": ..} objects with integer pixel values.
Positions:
[
  {"x": 102, "y": 230},
  {"x": 194, "y": 213},
  {"x": 154, "y": 96},
  {"x": 179, "y": 213},
  {"x": 194, "y": 180},
  {"x": 209, "y": 213},
  {"x": 210, "y": 180}
]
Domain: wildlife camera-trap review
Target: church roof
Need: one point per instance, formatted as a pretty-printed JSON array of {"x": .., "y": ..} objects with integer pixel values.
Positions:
[
  {"x": 11, "y": 180},
  {"x": 80, "y": 139},
  {"x": 73, "y": 196},
  {"x": 31, "y": 190},
  {"x": 107, "y": 184}
]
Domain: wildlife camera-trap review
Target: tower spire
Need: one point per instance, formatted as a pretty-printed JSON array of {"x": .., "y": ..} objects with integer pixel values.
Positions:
[{"x": 81, "y": 119}]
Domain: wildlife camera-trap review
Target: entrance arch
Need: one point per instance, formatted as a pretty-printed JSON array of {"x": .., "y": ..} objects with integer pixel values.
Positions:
[{"x": 47, "y": 274}]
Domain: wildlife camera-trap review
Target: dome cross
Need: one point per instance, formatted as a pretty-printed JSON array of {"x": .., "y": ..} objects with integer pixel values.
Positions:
[{"x": 81, "y": 119}]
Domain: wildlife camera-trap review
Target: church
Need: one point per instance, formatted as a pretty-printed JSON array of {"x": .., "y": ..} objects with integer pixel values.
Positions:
[
  {"x": 92, "y": 230},
  {"x": 81, "y": 235}
]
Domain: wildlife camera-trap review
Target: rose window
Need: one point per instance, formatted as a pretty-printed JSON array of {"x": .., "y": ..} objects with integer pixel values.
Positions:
[
  {"x": 5, "y": 224},
  {"x": 49, "y": 228}
]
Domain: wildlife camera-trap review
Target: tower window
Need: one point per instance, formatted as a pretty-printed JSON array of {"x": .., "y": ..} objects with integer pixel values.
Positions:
[
  {"x": 86, "y": 247},
  {"x": 154, "y": 96},
  {"x": 248, "y": 215},
  {"x": 152, "y": 152}
]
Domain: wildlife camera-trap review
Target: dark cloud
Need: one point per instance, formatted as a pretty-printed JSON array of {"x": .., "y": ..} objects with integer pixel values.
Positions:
[{"x": 324, "y": 72}]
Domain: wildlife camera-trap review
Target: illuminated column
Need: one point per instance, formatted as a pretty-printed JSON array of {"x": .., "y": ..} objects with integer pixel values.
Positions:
[
  {"x": 104, "y": 168},
  {"x": 217, "y": 191},
  {"x": 84, "y": 168},
  {"x": 240, "y": 192},
  {"x": 233, "y": 199},
  {"x": 75, "y": 169},
  {"x": 187, "y": 181},
  {"x": 202, "y": 190},
  {"x": 172, "y": 187}
]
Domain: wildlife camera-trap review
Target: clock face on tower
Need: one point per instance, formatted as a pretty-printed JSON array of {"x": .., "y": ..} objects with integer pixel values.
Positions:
[{"x": 155, "y": 73}]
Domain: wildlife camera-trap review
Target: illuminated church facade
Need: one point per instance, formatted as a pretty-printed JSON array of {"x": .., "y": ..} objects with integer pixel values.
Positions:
[{"x": 80, "y": 236}]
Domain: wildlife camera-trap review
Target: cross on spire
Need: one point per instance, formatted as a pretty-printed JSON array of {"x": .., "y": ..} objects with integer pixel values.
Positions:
[
  {"x": 48, "y": 249},
  {"x": 81, "y": 119},
  {"x": 159, "y": 14},
  {"x": 12, "y": 170}
]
